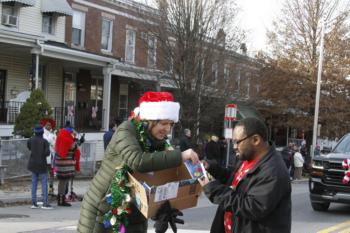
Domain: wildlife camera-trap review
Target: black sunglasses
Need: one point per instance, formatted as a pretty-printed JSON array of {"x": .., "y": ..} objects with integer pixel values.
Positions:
[{"x": 241, "y": 140}]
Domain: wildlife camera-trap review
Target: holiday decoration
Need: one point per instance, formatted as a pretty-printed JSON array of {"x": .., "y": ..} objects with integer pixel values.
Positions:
[
  {"x": 346, "y": 166},
  {"x": 158, "y": 106},
  {"x": 118, "y": 198}
]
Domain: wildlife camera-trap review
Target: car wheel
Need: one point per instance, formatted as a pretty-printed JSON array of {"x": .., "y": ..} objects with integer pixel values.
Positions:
[{"x": 320, "y": 206}]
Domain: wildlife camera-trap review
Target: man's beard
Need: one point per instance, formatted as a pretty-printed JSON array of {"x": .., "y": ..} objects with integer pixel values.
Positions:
[{"x": 247, "y": 154}]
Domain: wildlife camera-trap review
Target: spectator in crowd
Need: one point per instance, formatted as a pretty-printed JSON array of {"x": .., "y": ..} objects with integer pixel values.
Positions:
[
  {"x": 72, "y": 196},
  {"x": 223, "y": 150},
  {"x": 66, "y": 152},
  {"x": 287, "y": 155},
  {"x": 39, "y": 150},
  {"x": 213, "y": 150},
  {"x": 185, "y": 140},
  {"x": 50, "y": 136},
  {"x": 256, "y": 196},
  {"x": 139, "y": 145},
  {"x": 298, "y": 164},
  {"x": 109, "y": 134}
]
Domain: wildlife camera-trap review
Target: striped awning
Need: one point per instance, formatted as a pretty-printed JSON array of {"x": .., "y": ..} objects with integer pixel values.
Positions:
[
  {"x": 59, "y": 7},
  {"x": 22, "y": 2}
]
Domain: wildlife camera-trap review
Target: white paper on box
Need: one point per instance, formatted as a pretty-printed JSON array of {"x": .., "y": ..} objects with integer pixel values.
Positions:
[{"x": 166, "y": 192}]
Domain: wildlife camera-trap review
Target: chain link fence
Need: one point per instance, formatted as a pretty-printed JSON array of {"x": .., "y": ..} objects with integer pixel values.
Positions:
[{"x": 15, "y": 155}]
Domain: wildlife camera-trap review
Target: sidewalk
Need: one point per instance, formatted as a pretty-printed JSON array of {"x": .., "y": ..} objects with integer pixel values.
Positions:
[{"x": 19, "y": 192}]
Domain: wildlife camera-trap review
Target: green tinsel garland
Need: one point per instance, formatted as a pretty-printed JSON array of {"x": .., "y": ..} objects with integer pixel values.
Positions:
[{"x": 118, "y": 199}]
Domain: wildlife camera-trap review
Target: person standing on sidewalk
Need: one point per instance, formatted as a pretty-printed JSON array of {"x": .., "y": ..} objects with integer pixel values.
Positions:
[
  {"x": 256, "y": 196},
  {"x": 66, "y": 148},
  {"x": 37, "y": 164},
  {"x": 140, "y": 145},
  {"x": 51, "y": 139},
  {"x": 298, "y": 164},
  {"x": 185, "y": 140}
]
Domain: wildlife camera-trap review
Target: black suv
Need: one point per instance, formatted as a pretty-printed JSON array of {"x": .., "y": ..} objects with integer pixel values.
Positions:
[{"x": 325, "y": 183}]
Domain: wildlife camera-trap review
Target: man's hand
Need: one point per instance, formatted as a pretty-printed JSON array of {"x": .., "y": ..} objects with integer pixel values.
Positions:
[
  {"x": 203, "y": 181},
  {"x": 205, "y": 164},
  {"x": 190, "y": 154}
]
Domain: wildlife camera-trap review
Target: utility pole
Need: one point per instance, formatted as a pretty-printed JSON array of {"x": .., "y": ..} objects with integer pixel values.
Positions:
[{"x": 318, "y": 88}]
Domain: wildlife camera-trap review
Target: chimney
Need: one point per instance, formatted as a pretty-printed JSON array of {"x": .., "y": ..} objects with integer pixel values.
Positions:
[{"x": 243, "y": 48}]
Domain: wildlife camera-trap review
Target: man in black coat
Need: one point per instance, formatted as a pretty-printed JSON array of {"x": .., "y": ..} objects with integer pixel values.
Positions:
[
  {"x": 256, "y": 197},
  {"x": 185, "y": 140},
  {"x": 213, "y": 150},
  {"x": 37, "y": 164}
]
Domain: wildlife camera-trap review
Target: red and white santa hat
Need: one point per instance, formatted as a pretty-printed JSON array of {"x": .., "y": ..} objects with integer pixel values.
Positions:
[{"x": 158, "y": 106}]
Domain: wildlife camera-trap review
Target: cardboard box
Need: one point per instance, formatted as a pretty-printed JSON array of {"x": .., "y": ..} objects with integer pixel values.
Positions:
[{"x": 174, "y": 184}]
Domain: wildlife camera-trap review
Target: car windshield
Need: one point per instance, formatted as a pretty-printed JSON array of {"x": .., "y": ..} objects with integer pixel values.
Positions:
[{"x": 343, "y": 146}]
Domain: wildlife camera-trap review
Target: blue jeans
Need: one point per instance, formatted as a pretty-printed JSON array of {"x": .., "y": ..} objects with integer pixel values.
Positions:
[{"x": 35, "y": 178}]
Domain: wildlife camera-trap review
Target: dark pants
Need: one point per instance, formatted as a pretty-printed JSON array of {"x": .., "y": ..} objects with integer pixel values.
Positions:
[{"x": 62, "y": 183}]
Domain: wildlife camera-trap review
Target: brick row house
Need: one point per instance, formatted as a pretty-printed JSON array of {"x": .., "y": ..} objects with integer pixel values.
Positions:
[{"x": 92, "y": 58}]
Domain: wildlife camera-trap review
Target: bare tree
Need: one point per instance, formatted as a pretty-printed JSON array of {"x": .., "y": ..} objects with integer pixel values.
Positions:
[
  {"x": 192, "y": 40},
  {"x": 292, "y": 70}
]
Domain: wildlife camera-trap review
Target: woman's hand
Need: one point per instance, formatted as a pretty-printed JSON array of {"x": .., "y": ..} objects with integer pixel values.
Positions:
[{"x": 190, "y": 154}]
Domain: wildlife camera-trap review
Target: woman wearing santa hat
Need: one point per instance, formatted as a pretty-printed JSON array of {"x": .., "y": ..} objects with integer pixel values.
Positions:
[{"x": 138, "y": 145}]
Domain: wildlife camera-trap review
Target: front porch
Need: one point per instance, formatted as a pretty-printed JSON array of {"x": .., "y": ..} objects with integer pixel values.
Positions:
[{"x": 89, "y": 92}]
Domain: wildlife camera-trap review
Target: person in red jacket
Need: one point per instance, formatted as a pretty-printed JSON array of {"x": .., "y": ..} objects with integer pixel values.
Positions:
[{"x": 66, "y": 148}]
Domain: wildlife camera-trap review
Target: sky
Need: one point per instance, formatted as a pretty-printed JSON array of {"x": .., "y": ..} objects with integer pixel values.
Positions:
[{"x": 256, "y": 16}]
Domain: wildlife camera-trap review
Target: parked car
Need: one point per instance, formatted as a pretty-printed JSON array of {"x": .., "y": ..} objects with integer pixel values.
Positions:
[{"x": 325, "y": 182}]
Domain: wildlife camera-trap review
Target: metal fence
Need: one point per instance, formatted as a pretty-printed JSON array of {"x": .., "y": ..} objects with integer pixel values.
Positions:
[
  {"x": 9, "y": 110},
  {"x": 15, "y": 155},
  {"x": 81, "y": 118}
]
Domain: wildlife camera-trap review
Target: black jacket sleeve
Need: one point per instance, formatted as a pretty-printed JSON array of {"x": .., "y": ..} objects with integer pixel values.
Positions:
[
  {"x": 257, "y": 202},
  {"x": 219, "y": 173},
  {"x": 46, "y": 148}
]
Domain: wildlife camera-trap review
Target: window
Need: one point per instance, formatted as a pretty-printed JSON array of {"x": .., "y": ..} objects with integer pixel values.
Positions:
[
  {"x": 123, "y": 101},
  {"x": 214, "y": 70},
  {"x": 48, "y": 25},
  {"x": 78, "y": 30},
  {"x": 226, "y": 73},
  {"x": 96, "y": 91},
  {"x": 2, "y": 95},
  {"x": 170, "y": 64},
  {"x": 152, "y": 51},
  {"x": 130, "y": 46},
  {"x": 238, "y": 81},
  {"x": 9, "y": 16},
  {"x": 106, "y": 39},
  {"x": 248, "y": 86}
]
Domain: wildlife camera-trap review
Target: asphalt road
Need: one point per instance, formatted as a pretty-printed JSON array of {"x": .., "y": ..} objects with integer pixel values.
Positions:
[{"x": 197, "y": 220}]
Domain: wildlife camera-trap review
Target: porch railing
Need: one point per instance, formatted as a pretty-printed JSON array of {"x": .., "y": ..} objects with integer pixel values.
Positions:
[
  {"x": 9, "y": 110},
  {"x": 82, "y": 118}
]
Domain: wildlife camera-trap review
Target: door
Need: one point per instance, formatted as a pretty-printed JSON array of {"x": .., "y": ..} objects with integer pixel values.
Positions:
[
  {"x": 70, "y": 91},
  {"x": 2, "y": 95}
]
